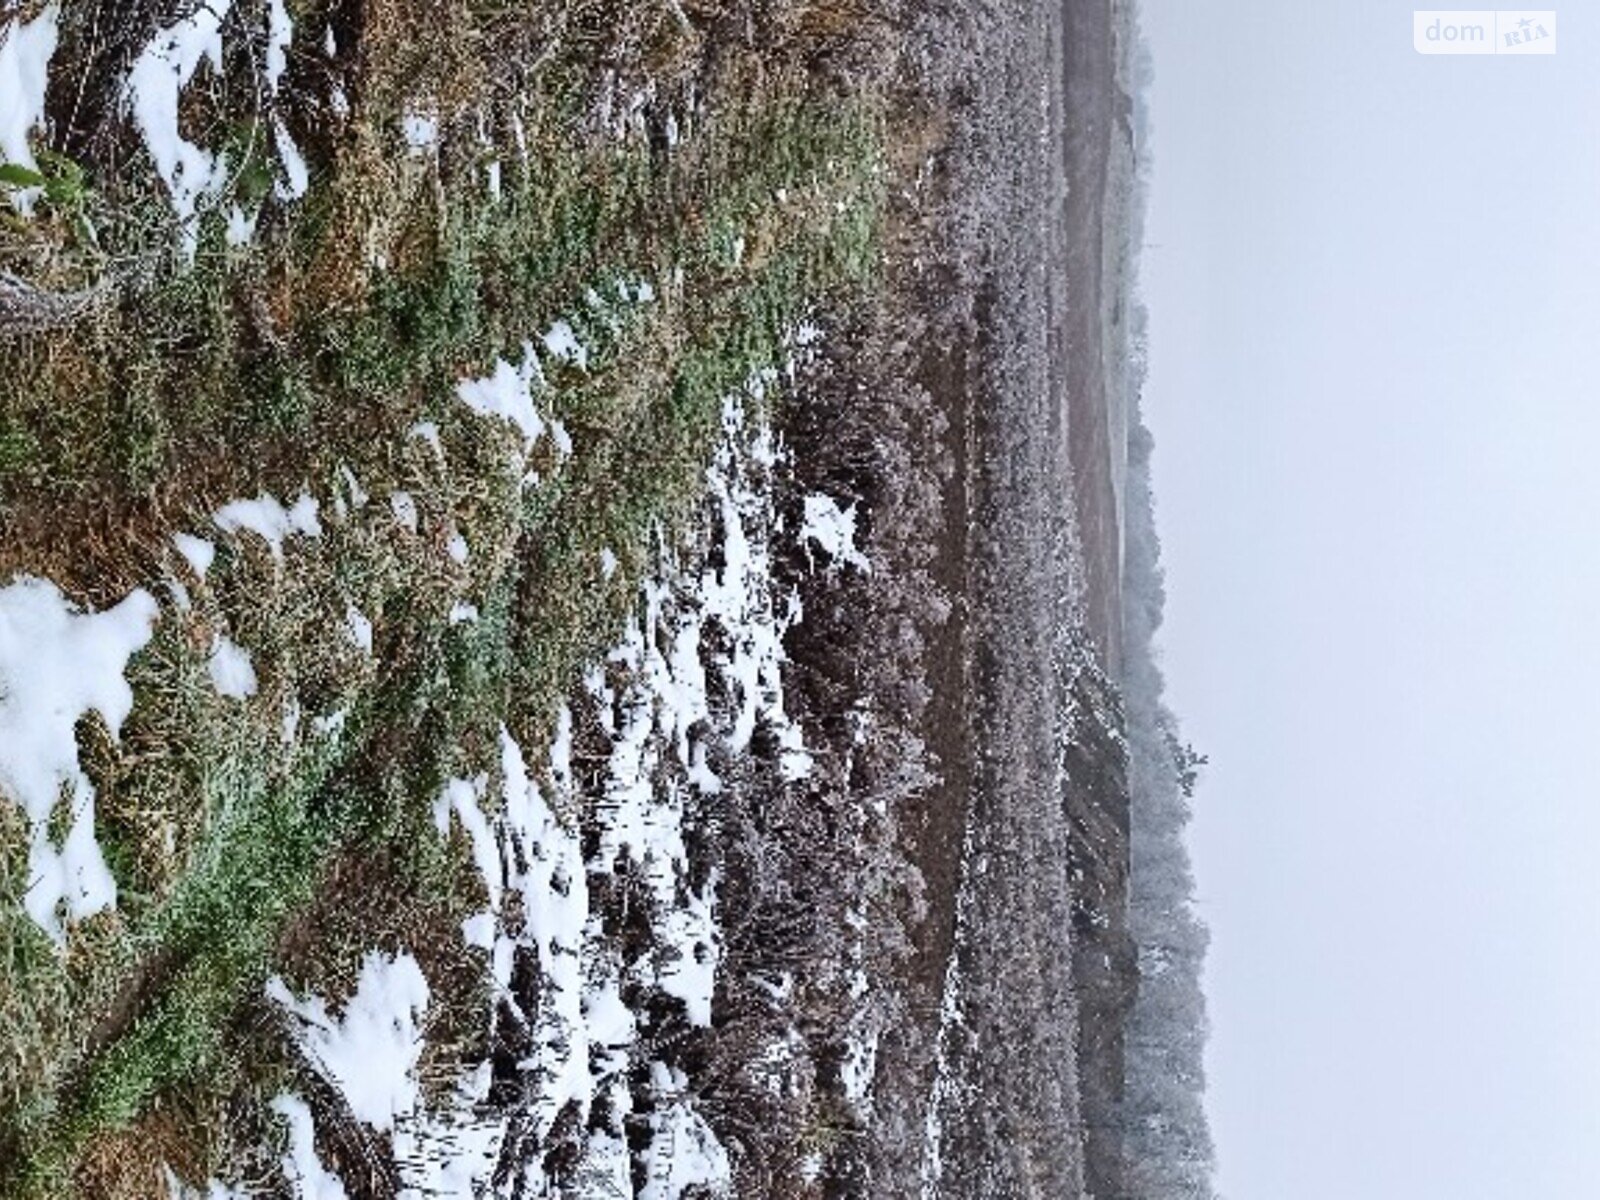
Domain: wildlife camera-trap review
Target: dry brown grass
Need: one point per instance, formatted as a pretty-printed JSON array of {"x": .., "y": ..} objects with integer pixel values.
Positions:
[
  {"x": 375, "y": 200},
  {"x": 130, "y": 1164}
]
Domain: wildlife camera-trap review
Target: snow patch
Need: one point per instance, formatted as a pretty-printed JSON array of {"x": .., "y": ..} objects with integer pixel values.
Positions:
[
  {"x": 562, "y": 439},
  {"x": 832, "y": 530},
  {"x": 305, "y": 1172},
  {"x": 155, "y": 85},
  {"x": 508, "y": 393},
  {"x": 197, "y": 552},
  {"x": 330, "y": 725},
  {"x": 562, "y": 342},
  {"x": 451, "y": 1154},
  {"x": 859, "y": 1068},
  {"x": 58, "y": 662},
  {"x": 420, "y": 129},
  {"x": 280, "y": 32},
  {"x": 231, "y": 671},
  {"x": 358, "y": 494},
  {"x": 740, "y": 596},
  {"x": 683, "y": 1152},
  {"x": 710, "y": 629},
  {"x": 290, "y": 725},
  {"x": 554, "y": 889},
  {"x": 296, "y": 177},
  {"x": 270, "y": 521},
  {"x": 371, "y": 1052},
  {"x": 241, "y": 227},
  {"x": 26, "y": 48}
]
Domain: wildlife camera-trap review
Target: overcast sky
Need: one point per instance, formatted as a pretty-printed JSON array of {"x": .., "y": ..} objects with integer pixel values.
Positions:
[{"x": 1374, "y": 283}]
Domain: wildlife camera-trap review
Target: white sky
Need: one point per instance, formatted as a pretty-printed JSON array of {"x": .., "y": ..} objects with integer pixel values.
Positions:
[{"x": 1374, "y": 281}]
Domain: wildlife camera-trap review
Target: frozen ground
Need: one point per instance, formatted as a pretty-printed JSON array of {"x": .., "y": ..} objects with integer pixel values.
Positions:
[
  {"x": 812, "y": 886},
  {"x": 665, "y": 722},
  {"x": 1007, "y": 1085}
]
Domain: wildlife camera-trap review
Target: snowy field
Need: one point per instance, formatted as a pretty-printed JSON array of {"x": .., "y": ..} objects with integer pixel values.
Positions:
[
  {"x": 559, "y": 600},
  {"x": 670, "y": 716},
  {"x": 399, "y": 558}
]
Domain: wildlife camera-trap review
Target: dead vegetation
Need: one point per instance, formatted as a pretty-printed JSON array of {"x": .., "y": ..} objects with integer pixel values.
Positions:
[
  {"x": 26, "y": 309},
  {"x": 823, "y": 139},
  {"x": 277, "y": 368}
]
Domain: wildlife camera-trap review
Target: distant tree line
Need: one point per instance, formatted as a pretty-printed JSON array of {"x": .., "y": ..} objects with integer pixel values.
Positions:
[{"x": 1167, "y": 1140}]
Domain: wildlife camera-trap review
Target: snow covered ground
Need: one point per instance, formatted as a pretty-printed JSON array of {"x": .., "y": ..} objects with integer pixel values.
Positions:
[
  {"x": 692, "y": 684},
  {"x": 26, "y": 48},
  {"x": 695, "y": 679},
  {"x": 602, "y": 933},
  {"x": 57, "y": 664}
]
